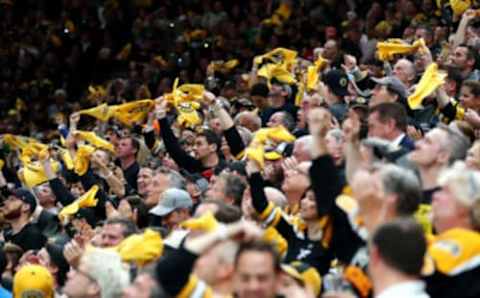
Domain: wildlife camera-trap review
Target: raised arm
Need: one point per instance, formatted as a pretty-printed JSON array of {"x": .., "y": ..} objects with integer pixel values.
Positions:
[{"x": 182, "y": 158}]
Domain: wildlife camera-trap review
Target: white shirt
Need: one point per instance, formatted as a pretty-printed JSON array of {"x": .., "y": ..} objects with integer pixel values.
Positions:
[
  {"x": 411, "y": 289},
  {"x": 396, "y": 143}
]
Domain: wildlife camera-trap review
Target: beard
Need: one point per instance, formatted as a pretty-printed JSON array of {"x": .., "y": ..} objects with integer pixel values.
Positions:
[{"x": 13, "y": 214}]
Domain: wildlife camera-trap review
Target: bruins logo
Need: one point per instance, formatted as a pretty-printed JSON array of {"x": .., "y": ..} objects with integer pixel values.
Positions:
[
  {"x": 343, "y": 82},
  {"x": 185, "y": 107}
]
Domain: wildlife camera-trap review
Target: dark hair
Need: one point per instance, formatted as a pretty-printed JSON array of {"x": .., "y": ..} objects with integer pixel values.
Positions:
[
  {"x": 135, "y": 143},
  {"x": 129, "y": 227},
  {"x": 258, "y": 246},
  {"x": 211, "y": 137},
  {"x": 401, "y": 245},
  {"x": 471, "y": 54},
  {"x": 225, "y": 213},
  {"x": 287, "y": 121},
  {"x": 391, "y": 111},
  {"x": 454, "y": 73},
  {"x": 234, "y": 187},
  {"x": 474, "y": 87},
  {"x": 137, "y": 203},
  {"x": 259, "y": 89}
]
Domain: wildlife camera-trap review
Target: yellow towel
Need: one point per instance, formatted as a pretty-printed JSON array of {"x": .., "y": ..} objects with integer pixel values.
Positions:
[
  {"x": 82, "y": 159},
  {"x": 387, "y": 50},
  {"x": 86, "y": 200},
  {"x": 132, "y": 112},
  {"x": 141, "y": 248},
  {"x": 429, "y": 82},
  {"x": 94, "y": 140},
  {"x": 101, "y": 112},
  {"x": 460, "y": 6}
]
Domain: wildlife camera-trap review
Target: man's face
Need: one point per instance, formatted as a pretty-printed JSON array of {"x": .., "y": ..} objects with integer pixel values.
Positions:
[
  {"x": 112, "y": 234},
  {"x": 45, "y": 194},
  {"x": 201, "y": 148},
  {"x": 141, "y": 287},
  {"x": 468, "y": 100},
  {"x": 79, "y": 284},
  {"x": 377, "y": 128},
  {"x": 12, "y": 208},
  {"x": 216, "y": 189},
  {"x": 330, "y": 49},
  {"x": 144, "y": 180},
  {"x": 124, "y": 148},
  {"x": 255, "y": 275},
  {"x": 473, "y": 157},
  {"x": 429, "y": 148},
  {"x": 160, "y": 182},
  {"x": 174, "y": 218},
  {"x": 275, "y": 120},
  {"x": 259, "y": 101},
  {"x": 403, "y": 71},
  {"x": 446, "y": 209},
  {"x": 380, "y": 94},
  {"x": 296, "y": 180},
  {"x": 459, "y": 57}
]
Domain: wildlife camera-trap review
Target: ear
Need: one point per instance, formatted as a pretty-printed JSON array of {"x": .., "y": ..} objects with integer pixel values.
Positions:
[
  {"x": 93, "y": 290},
  {"x": 26, "y": 208},
  {"x": 213, "y": 147},
  {"x": 443, "y": 157}
]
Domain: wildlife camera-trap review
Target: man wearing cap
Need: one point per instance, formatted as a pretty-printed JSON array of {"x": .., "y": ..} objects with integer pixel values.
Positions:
[
  {"x": 388, "y": 89},
  {"x": 33, "y": 281},
  {"x": 18, "y": 209},
  {"x": 174, "y": 207},
  {"x": 259, "y": 97},
  {"x": 337, "y": 88}
]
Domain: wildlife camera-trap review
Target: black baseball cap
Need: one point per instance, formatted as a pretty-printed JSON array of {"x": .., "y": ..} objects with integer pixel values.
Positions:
[
  {"x": 337, "y": 81},
  {"x": 26, "y": 196}
]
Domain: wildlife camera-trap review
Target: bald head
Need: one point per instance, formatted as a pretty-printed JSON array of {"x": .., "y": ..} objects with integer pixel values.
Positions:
[
  {"x": 404, "y": 70},
  {"x": 301, "y": 148}
]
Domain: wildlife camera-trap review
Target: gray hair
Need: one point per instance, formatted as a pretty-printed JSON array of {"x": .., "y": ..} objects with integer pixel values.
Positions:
[
  {"x": 107, "y": 269},
  {"x": 175, "y": 179},
  {"x": 336, "y": 133},
  {"x": 234, "y": 187},
  {"x": 456, "y": 143},
  {"x": 404, "y": 184}
]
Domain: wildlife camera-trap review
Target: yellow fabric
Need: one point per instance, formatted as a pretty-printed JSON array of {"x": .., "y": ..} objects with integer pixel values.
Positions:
[
  {"x": 454, "y": 250},
  {"x": 32, "y": 173},
  {"x": 272, "y": 236},
  {"x": 141, "y": 248},
  {"x": 312, "y": 73},
  {"x": 191, "y": 288},
  {"x": 278, "y": 56},
  {"x": 96, "y": 93},
  {"x": 460, "y": 6},
  {"x": 94, "y": 140},
  {"x": 276, "y": 71},
  {"x": 224, "y": 67},
  {"x": 423, "y": 216},
  {"x": 101, "y": 112},
  {"x": 429, "y": 82},
  {"x": 204, "y": 223},
  {"x": 387, "y": 50},
  {"x": 184, "y": 99},
  {"x": 132, "y": 112},
  {"x": 359, "y": 280},
  {"x": 82, "y": 159},
  {"x": 2, "y": 163},
  {"x": 86, "y": 200},
  {"x": 346, "y": 203},
  {"x": 70, "y": 26},
  {"x": 280, "y": 15},
  {"x": 67, "y": 158},
  {"x": 256, "y": 151},
  {"x": 300, "y": 94},
  {"x": 33, "y": 281}
]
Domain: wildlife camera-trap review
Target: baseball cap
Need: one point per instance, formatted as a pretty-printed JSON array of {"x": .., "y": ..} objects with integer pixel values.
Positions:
[
  {"x": 171, "y": 200},
  {"x": 394, "y": 84},
  {"x": 337, "y": 81},
  {"x": 33, "y": 281},
  {"x": 26, "y": 196}
]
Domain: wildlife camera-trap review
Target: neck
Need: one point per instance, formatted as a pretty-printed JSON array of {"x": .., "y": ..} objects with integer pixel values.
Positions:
[
  {"x": 210, "y": 160},
  {"x": 373, "y": 216},
  {"x": 127, "y": 161},
  {"x": 293, "y": 198},
  {"x": 467, "y": 72},
  {"x": 394, "y": 135},
  {"x": 429, "y": 175},
  {"x": 222, "y": 288},
  {"x": 459, "y": 223},
  {"x": 278, "y": 103},
  {"x": 389, "y": 278},
  {"x": 332, "y": 99},
  {"x": 18, "y": 224}
]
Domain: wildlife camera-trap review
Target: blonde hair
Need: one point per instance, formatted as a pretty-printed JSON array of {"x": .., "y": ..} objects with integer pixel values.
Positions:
[{"x": 464, "y": 183}]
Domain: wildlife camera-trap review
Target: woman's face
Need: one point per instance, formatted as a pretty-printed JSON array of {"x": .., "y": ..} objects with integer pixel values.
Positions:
[
  {"x": 473, "y": 157},
  {"x": 308, "y": 206}
]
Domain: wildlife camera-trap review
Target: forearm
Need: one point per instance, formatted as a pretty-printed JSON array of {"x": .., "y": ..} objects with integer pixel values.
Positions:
[
  {"x": 352, "y": 160},
  {"x": 259, "y": 199}
]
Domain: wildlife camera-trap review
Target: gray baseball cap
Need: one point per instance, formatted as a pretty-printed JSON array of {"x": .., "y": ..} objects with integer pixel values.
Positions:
[
  {"x": 394, "y": 84},
  {"x": 171, "y": 200}
]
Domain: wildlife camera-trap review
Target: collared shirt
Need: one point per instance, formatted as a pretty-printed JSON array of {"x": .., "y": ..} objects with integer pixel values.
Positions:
[
  {"x": 396, "y": 143},
  {"x": 411, "y": 289}
]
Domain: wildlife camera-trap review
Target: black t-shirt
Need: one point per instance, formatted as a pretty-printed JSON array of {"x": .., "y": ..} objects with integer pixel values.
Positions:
[
  {"x": 29, "y": 238},
  {"x": 131, "y": 174}
]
